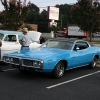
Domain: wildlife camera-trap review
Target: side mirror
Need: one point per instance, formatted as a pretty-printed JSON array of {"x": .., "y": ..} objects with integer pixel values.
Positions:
[{"x": 77, "y": 48}]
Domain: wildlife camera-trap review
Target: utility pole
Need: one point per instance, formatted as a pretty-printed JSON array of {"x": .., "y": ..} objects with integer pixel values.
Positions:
[{"x": 61, "y": 20}]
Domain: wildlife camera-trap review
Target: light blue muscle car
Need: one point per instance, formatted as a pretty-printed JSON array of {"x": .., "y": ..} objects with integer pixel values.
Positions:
[{"x": 55, "y": 56}]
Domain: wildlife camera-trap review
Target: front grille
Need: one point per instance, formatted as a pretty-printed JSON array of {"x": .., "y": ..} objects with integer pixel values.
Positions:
[
  {"x": 16, "y": 61},
  {"x": 27, "y": 62}
]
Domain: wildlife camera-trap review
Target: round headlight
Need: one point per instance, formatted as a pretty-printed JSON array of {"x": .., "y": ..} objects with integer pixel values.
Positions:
[
  {"x": 38, "y": 64},
  {"x": 35, "y": 63},
  {"x": 7, "y": 59}
]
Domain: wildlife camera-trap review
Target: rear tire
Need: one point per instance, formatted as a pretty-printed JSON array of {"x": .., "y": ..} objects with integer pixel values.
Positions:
[
  {"x": 93, "y": 62},
  {"x": 59, "y": 70}
]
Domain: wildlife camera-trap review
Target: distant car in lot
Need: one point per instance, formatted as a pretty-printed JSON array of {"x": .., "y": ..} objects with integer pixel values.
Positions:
[
  {"x": 97, "y": 34},
  {"x": 10, "y": 41},
  {"x": 56, "y": 56},
  {"x": 59, "y": 34}
]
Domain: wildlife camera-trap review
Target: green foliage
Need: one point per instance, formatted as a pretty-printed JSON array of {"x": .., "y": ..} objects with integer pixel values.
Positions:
[
  {"x": 14, "y": 14},
  {"x": 53, "y": 28},
  {"x": 87, "y": 16},
  {"x": 34, "y": 17},
  {"x": 97, "y": 41},
  {"x": 33, "y": 14},
  {"x": 64, "y": 15},
  {"x": 43, "y": 22}
]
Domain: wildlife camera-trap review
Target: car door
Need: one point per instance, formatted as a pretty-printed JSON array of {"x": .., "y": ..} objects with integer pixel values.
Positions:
[
  {"x": 80, "y": 56},
  {"x": 10, "y": 43}
]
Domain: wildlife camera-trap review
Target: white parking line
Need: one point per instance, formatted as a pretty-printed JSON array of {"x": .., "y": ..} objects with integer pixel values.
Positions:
[
  {"x": 9, "y": 69},
  {"x": 49, "y": 87}
]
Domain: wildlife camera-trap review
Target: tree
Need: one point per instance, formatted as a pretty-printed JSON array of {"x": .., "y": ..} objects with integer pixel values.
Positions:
[
  {"x": 33, "y": 14},
  {"x": 64, "y": 15},
  {"x": 87, "y": 15},
  {"x": 14, "y": 14},
  {"x": 43, "y": 21}
]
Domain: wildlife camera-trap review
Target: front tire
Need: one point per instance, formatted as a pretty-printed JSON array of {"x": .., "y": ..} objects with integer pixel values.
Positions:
[
  {"x": 93, "y": 62},
  {"x": 59, "y": 70}
]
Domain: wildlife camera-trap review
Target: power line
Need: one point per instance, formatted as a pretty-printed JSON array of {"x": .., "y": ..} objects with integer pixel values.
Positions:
[{"x": 42, "y": 7}]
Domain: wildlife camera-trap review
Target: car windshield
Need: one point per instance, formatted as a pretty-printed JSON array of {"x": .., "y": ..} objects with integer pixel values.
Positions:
[
  {"x": 1, "y": 36},
  {"x": 58, "y": 44}
]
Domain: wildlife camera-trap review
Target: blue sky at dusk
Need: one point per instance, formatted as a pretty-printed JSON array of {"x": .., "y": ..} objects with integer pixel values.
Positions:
[{"x": 44, "y": 3}]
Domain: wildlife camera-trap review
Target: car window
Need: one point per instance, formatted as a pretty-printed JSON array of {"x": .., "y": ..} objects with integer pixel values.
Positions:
[
  {"x": 81, "y": 45},
  {"x": 58, "y": 44},
  {"x": 50, "y": 44},
  {"x": 1, "y": 36},
  {"x": 20, "y": 37},
  {"x": 10, "y": 38}
]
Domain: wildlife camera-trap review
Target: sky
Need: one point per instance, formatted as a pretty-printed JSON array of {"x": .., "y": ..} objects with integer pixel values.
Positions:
[{"x": 44, "y": 3}]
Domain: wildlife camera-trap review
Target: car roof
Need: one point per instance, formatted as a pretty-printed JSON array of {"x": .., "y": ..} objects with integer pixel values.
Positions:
[
  {"x": 69, "y": 40},
  {"x": 9, "y": 32},
  {"x": 64, "y": 39}
]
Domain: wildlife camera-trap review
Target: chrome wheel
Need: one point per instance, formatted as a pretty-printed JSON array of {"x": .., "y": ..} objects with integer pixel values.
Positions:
[
  {"x": 93, "y": 63},
  {"x": 59, "y": 70}
]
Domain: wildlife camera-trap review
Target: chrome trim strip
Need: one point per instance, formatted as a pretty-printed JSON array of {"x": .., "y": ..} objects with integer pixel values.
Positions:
[
  {"x": 30, "y": 66},
  {"x": 77, "y": 67},
  {"x": 11, "y": 62},
  {"x": 31, "y": 59},
  {"x": 21, "y": 61}
]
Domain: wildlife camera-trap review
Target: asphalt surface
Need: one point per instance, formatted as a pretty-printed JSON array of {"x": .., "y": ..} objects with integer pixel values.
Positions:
[{"x": 76, "y": 84}]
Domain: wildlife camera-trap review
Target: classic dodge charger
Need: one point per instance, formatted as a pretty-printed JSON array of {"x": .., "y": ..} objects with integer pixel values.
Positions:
[{"x": 56, "y": 56}]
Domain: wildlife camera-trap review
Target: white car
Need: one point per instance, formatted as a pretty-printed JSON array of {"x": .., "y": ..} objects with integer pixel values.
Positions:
[
  {"x": 59, "y": 34},
  {"x": 97, "y": 34},
  {"x": 10, "y": 41}
]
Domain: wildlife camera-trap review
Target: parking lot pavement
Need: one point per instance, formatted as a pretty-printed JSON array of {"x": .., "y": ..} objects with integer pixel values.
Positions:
[{"x": 78, "y": 84}]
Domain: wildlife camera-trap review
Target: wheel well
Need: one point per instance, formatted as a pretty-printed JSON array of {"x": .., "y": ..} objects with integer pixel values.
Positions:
[
  {"x": 97, "y": 56},
  {"x": 65, "y": 63}
]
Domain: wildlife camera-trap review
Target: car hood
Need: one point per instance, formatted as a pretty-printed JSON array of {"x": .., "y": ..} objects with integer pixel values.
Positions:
[
  {"x": 39, "y": 53},
  {"x": 34, "y": 35}
]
